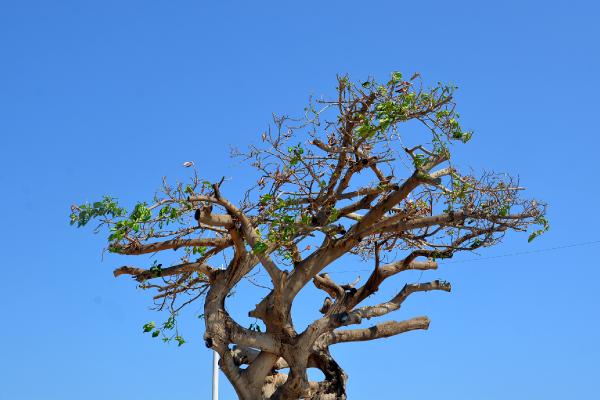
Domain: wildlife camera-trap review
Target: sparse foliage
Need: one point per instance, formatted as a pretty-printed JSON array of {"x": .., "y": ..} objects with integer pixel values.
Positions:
[{"x": 367, "y": 173}]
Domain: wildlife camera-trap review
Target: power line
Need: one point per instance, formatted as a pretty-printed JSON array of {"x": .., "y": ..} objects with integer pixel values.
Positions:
[
  {"x": 515, "y": 254},
  {"x": 476, "y": 259},
  {"x": 521, "y": 253}
]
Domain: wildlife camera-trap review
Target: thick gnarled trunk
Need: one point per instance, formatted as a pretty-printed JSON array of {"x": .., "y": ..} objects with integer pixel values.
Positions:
[{"x": 262, "y": 377}]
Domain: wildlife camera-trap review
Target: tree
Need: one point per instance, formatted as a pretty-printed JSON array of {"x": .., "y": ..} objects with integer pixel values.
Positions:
[{"x": 340, "y": 182}]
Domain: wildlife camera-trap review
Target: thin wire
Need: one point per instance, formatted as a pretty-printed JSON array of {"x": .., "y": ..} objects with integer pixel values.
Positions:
[
  {"x": 515, "y": 254},
  {"x": 476, "y": 259},
  {"x": 521, "y": 253}
]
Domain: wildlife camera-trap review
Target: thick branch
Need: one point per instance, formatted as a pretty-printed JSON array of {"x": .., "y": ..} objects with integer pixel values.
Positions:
[
  {"x": 252, "y": 238},
  {"x": 325, "y": 283},
  {"x": 384, "y": 272},
  {"x": 247, "y": 355},
  {"x": 383, "y": 330},
  {"x": 144, "y": 274},
  {"x": 394, "y": 304},
  {"x": 136, "y": 249},
  {"x": 207, "y": 218},
  {"x": 324, "y": 256},
  {"x": 394, "y": 224}
]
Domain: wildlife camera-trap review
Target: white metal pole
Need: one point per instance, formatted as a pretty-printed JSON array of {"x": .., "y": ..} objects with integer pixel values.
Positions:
[{"x": 215, "y": 378}]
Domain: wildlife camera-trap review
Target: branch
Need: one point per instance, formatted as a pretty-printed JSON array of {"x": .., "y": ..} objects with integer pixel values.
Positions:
[
  {"x": 247, "y": 355},
  {"x": 383, "y": 330},
  {"x": 392, "y": 224},
  {"x": 249, "y": 338},
  {"x": 394, "y": 304},
  {"x": 386, "y": 204},
  {"x": 318, "y": 260},
  {"x": 391, "y": 269},
  {"x": 141, "y": 275},
  {"x": 136, "y": 249},
  {"x": 325, "y": 283},
  {"x": 251, "y": 237},
  {"x": 335, "y": 318},
  {"x": 384, "y": 272}
]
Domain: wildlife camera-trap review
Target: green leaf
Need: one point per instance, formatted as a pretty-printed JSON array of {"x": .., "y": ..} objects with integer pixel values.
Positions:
[
  {"x": 156, "y": 269},
  {"x": 84, "y": 213},
  {"x": 170, "y": 323},
  {"x": 366, "y": 131},
  {"x": 545, "y": 228},
  {"x": 149, "y": 326},
  {"x": 155, "y": 333},
  {"x": 199, "y": 250},
  {"x": 260, "y": 247},
  {"x": 265, "y": 198}
]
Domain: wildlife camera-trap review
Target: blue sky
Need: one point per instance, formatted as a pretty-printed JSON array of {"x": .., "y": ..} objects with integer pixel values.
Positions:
[{"x": 107, "y": 97}]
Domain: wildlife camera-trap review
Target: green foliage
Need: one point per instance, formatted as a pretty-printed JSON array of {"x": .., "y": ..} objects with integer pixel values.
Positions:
[
  {"x": 179, "y": 340},
  {"x": 398, "y": 101},
  {"x": 108, "y": 206},
  {"x": 199, "y": 250},
  {"x": 285, "y": 217},
  {"x": 335, "y": 214},
  {"x": 189, "y": 190},
  {"x": 296, "y": 154},
  {"x": 168, "y": 325},
  {"x": 545, "y": 226},
  {"x": 375, "y": 112},
  {"x": 264, "y": 199},
  {"x": 119, "y": 230},
  {"x": 140, "y": 215},
  {"x": 366, "y": 130},
  {"x": 156, "y": 269},
  {"x": 149, "y": 326},
  {"x": 448, "y": 121},
  {"x": 168, "y": 213},
  {"x": 419, "y": 160},
  {"x": 260, "y": 247},
  {"x": 396, "y": 77}
]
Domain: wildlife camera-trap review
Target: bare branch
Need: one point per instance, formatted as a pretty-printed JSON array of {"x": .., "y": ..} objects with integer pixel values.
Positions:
[
  {"x": 395, "y": 303},
  {"x": 142, "y": 274},
  {"x": 137, "y": 249},
  {"x": 382, "y": 330}
]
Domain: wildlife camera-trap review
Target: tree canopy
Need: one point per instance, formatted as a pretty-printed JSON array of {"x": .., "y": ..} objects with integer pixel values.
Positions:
[{"x": 367, "y": 173}]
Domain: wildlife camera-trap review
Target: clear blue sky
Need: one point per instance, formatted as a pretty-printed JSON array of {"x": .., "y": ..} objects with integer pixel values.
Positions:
[{"x": 109, "y": 96}]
